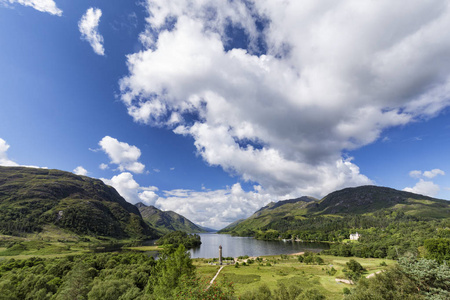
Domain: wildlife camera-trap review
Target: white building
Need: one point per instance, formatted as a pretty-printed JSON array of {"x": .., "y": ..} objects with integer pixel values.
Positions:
[{"x": 355, "y": 236}]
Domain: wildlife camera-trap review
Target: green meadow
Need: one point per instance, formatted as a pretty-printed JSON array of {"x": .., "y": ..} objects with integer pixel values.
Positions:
[{"x": 286, "y": 269}]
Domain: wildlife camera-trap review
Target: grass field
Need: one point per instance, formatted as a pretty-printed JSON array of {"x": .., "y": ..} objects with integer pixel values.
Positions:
[
  {"x": 144, "y": 248},
  {"x": 288, "y": 270},
  {"x": 270, "y": 270},
  {"x": 55, "y": 242}
]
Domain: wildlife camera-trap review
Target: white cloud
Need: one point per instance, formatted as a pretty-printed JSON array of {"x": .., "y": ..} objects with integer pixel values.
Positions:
[
  {"x": 80, "y": 171},
  {"x": 433, "y": 173},
  {"x": 88, "y": 26},
  {"x": 156, "y": 170},
  {"x": 214, "y": 209},
  {"x": 148, "y": 197},
  {"x": 125, "y": 184},
  {"x": 428, "y": 174},
  {"x": 4, "y": 160},
  {"x": 217, "y": 208},
  {"x": 122, "y": 154},
  {"x": 129, "y": 189},
  {"x": 415, "y": 174},
  {"x": 330, "y": 80},
  {"x": 48, "y": 6},
  {"x": 423, "y": 187},
  {"x": 103, "y": 166}
]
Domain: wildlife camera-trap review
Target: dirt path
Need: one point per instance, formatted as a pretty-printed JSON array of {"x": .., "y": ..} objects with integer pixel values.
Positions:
[
  {"x": 214, "y": 278},
  {"x": 344, "y": 281},
  {"x": 351, "y": 282},
  {"x": 373, "y": 274}
]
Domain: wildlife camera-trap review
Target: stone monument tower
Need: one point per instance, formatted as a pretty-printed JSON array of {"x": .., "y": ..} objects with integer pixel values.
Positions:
[{"x": 220, "y": 255}]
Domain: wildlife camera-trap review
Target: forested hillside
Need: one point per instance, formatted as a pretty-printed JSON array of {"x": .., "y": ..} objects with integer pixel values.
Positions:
[
  {"x": 31, "y": 198},
  {"x": 391, "y": 222}
]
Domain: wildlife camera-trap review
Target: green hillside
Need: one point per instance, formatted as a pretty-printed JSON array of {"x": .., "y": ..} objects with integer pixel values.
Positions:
[
  {"x": 31, "y": 198},
  {"x": 167, "y": 221},
  {"x": 370, "y": 199},
  {"x": 391, "y": 223},
  {"x": 365, "y": 202},
  {"x": 293, "y": 208}
]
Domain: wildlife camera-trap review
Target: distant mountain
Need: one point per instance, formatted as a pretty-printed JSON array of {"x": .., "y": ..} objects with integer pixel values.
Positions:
[
  {"x": 369, "y": 199},
  {"x": 31, "y": 198},
  {"x": 363, "y": 200},
  {"x": 231, "y": 226},
  {"x": 269, "y": 213},
  {"x": 167, "y": 221}
]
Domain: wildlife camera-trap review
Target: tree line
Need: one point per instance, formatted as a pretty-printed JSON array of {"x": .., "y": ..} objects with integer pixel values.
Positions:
[
  {"x": 176, "y": 238},
  {"x": 385, "y": 234},
  {"x": 106, "y": 276}
]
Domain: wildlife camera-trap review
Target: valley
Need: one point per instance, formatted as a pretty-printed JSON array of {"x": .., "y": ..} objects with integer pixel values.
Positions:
[{"x": 52, "y": 218}]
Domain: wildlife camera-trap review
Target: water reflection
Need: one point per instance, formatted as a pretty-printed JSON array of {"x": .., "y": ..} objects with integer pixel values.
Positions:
[{"x": 234, "y": 246}]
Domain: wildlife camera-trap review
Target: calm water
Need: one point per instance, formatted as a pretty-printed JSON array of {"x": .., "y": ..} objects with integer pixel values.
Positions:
[{"x": 233, "y": 246}]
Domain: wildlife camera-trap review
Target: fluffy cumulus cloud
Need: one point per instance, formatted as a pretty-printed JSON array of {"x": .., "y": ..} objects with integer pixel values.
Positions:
[
  {"x": 88, "y": 26},
  {"x": 229, "y": 204},
  {"x": 217, "y": 208},
  {"x": 129, "y": 189},
  {"x": 122, "y": 154},
  {"x": 48, "y": 6},
  {"x": 428, "y": 174},
  {"x": 80, "y": 171},
  {"x": 275, "y": 91},
  {"x": 425, "y": 187},
  {"x": 4, "y": 160},
  {"x": 433, "y": 173}
]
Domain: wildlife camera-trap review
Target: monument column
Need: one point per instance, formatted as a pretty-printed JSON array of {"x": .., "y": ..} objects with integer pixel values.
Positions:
[{"x": 220, "y": 255}]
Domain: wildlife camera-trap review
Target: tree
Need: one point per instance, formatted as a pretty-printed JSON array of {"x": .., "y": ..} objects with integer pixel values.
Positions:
[
  {"x": 430, "y": 277},
  {"x": 310, "y": 294},
  {"x": 438, "y": 249},
  {"x": 77, "y": 284},
  {"x": 171, "y": 268},
  {"x": 410, "y": 279},
  {"x": 110, "y": 289},
  {"x": 390, "y": 285},
  {"x": 354, "y": 270},
  {"x": 355, "y": 266},
  {"x": 309, "y": 259},
  {"x": 318, "y": 260}
]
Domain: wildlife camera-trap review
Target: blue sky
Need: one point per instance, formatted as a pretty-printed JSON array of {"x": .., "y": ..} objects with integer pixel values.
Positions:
[{"x": 215, "y": 108}]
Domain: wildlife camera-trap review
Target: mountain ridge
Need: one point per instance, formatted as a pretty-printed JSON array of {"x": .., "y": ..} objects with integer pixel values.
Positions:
[
  {"x": 362, "y": 200},
  {"x": 167, "y": 221},
  {"x": 31, "y": 198}
]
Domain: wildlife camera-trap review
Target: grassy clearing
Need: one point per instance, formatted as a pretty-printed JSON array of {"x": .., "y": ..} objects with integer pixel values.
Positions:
[
  {"x": 144, "y": 248},
  {"x": 56, "y": 242},
  {"x": 273, "y": 270},
  {"x": 27, "y": 249},
  {"x": 53, "y": 233}
]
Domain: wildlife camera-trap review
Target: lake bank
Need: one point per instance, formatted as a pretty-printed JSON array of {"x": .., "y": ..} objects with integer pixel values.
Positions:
[
  {"x": 232, "y": 246},
  {"x": 235, "y": 246}
]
